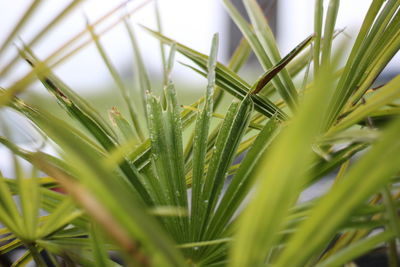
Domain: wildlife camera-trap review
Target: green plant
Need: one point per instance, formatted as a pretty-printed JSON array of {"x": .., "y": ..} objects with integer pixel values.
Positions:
[{"x": 127, "y": 182}]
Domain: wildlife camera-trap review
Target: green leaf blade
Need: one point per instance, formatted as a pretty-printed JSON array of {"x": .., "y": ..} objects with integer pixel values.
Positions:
[
  {"x": 240, "y": 185},
  {"x": 200, "y": 144},
  {"x": 283, "y": 84},
  {"x": 276, "y": 188},
  {"x": 387, "y": 147},
  {"x": 230, "y": 134}
]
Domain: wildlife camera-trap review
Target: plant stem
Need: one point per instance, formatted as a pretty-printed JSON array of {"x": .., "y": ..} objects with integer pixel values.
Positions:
[{"x": 37, "y": 257}]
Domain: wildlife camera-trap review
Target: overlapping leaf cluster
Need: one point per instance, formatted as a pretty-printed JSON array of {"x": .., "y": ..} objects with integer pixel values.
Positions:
[{"x": 134, "y": 188}]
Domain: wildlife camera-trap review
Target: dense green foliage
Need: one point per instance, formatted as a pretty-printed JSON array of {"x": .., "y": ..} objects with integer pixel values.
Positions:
[{"x": 137, "y": 191}]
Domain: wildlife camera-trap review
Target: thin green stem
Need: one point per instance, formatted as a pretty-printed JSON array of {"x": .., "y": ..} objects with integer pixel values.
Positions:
[
  {"x": 318, "y": 17},
  {"x": 37, "y": 257}
]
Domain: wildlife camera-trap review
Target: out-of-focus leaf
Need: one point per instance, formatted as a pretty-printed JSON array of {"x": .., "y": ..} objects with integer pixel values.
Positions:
[
  {"x": 378, "y": 34},
  {"x": 23, "y": 260},
  {"x": 9, "y": 214},
  {"x": 355, "y": 250},
  {"x": 118, "y": 80},
  {"x": 261, "y": 43},
  {"x": 99, "y": 248},
  {"x": 258, "y": 227},
  {"x": 28, "y": 190},
  {"x": 122, "y": 124},
  {"x": 58, "y": 18},
  {"x": 143, "y": 80},
  {"x": 61, "y": 216},
  {"x": 329, "y": 29},
  {"x": 383, "y": 96},
  {"x": 53, "y": 59},
  {"x": 21, "y": 22},
  {"x": 385, "y": 166}
]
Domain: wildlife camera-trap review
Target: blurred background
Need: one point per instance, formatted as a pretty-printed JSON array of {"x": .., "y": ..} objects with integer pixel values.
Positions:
[{"x": 190, "y": 22}]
